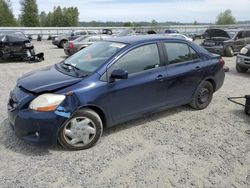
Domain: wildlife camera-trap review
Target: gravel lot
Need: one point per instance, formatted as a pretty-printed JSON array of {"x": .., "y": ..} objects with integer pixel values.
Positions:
[{"x": 175, "y": 148}]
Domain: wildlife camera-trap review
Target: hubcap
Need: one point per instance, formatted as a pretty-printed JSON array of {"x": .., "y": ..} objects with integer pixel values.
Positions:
[
  {"x": 231, "y": 51},
  {"x": 203, "y": 95},
  {"x": 79, "y": 131}
]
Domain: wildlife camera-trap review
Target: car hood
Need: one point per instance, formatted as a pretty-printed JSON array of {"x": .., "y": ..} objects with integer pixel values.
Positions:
[
  {"x": 211, "y": 33},
  {"x": 46, "y": 80}
]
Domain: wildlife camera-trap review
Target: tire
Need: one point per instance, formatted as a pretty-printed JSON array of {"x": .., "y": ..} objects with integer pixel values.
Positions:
[
  {"x": 61, "y": 44},
  {"x": 241, "y": 69},
  {"x": 229, "y": 51},
  {"x": 81, "y": 131},
  {"x": 202, "y": 96},
  {"x": 247, "y": 110}
]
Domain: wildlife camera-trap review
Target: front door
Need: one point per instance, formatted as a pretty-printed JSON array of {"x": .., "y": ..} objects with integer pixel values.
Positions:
[{"x": 145, "y": 88}]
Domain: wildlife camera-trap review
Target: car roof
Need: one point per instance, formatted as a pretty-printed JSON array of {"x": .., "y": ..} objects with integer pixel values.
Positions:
[{"x": 141, "y": 38}]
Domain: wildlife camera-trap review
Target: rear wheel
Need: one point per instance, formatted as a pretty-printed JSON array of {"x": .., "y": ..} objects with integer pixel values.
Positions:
[
  {"x": 62, "y": 43},
  {"x": 229, "y": 51},
  {"x": 202, "y": 96},
  {"x": 241, "y": 69},
  {"x": 81, "y": 131}
]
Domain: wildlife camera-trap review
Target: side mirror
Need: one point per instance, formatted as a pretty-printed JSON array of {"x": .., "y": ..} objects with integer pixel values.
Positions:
[{"x": 118, "y": 74}]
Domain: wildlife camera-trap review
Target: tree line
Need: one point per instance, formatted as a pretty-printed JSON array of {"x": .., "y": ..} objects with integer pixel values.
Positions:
[
  {"x": 69, "y": 17},
  {"x": 30, "y": 17}
]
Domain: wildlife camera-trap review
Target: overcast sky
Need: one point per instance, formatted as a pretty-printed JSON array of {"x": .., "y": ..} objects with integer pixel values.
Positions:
[{"x": 148, "y": 10}]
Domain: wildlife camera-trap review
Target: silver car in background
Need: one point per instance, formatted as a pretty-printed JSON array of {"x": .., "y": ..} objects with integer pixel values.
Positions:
[
  {"x": 180, "y": 36},
  {"x": 76, "y": 45}
]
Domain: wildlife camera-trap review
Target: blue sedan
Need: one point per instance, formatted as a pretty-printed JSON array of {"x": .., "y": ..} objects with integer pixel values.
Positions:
[{"x": 108, "y": 83}]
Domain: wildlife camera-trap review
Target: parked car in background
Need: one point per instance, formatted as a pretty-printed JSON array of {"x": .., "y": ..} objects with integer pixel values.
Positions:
[
  {"x": 110, "y": 82},
  {"x": 15, "y": 45},
  {"x": 181, "y": 36},
  {"x": 196, "y": 35},
  {"x": 225, "y": 42},
  {"x": 60, "y": 40},
  {"x": 82, "y": 42},
  {"x": 107, "y": 31},
  {"x": 169, "y": 31},
  {"x": 243, "y": 60}
]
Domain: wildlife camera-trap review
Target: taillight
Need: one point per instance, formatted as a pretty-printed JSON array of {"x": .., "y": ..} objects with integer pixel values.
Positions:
[
  {"x": 222, "y": 62},
  {"x": 71, "y": 45}
]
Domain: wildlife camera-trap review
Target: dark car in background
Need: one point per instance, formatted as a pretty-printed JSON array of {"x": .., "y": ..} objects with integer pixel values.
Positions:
[
  {"x": 169, "y": 31},
  {"x": 225, "y": 42},
  {"x": 15, "y": 45},
  {"x": 60, "y": 40},
  {"x": 111, "y": 82},
  {"x": 78, "y": 44},
  {"x": 243, "y": 60}
]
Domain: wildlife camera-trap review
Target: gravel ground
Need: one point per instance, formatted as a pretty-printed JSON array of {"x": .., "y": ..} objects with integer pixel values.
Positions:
[{"x": 175, "y": 148}]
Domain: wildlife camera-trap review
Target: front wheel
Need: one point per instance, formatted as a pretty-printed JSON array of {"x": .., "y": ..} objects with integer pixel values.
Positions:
[
  {"x": 62, "y": 43},
  {"x": 81, "y": 131},
  {"x": 202, "y": 96}
]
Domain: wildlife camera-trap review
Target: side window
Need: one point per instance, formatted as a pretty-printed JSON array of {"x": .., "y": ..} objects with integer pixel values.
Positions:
[
  {"x": 193, "y": 54},
  {"x": 239, "y": 35},
  {"x": 247, "y": 34},
  {"x": 138, "y": 60},
  {"x": 82, "y": 33},
  {"x": 180, "y": 52}
]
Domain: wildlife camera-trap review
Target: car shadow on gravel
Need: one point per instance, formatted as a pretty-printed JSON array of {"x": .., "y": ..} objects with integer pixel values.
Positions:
[
  {"x": 64, "y": 56},
  {"x": 145, "y": 119},
  {"x": 235, "y": 73},
  {"x": 9, "y": 140},
  {"x": 55, "y": 48},
  {"x": 11, "y": 61}
]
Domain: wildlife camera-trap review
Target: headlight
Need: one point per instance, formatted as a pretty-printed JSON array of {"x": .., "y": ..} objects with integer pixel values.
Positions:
[
  {"x": 56, "y": 38},
  {"x": 244, "y": 51},
  {"x": 46, "y": 102}
]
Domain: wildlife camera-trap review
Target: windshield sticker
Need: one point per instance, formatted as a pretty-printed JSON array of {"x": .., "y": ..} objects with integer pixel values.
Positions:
[
  {"x": 88, "y": 57},
  {"x": 117, "y": 45}
]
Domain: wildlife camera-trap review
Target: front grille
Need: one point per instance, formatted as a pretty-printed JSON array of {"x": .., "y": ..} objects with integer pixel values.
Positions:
[{"x": 247, "y": 61}]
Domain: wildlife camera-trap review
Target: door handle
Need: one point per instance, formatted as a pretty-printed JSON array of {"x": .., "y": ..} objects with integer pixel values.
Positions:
[
  {"x": 160, "y": 78},
  {"x": 198, "y": 68}
]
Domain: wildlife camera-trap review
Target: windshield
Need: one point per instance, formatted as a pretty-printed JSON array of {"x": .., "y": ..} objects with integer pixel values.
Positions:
[
  {"x": 91, "y": 58},
  {"x": 125, "y": 32},
  {"x": 231, "y": 33},
  {"x": 80, "y": 39}
]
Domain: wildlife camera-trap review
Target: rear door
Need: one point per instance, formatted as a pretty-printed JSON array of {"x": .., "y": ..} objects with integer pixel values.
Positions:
[
  {"x": 184, "y": 70},
  {"x": 240, "y": 41}
]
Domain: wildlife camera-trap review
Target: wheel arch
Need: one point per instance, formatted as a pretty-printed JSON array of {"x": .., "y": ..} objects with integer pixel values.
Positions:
[
  {"x": 211, "y": 80},
  {"x": 64, "y": 39},
  {"x": 99, "y": 111}
]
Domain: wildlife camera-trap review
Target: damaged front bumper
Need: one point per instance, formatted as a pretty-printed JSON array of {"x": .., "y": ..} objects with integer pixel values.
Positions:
[
  {"x": 36, "y": 127},
  {"x": 40, "y": 128}
]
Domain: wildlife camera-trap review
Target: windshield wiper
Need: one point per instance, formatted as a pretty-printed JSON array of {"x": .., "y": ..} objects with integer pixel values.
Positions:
[{"x": 74, "y": 68}]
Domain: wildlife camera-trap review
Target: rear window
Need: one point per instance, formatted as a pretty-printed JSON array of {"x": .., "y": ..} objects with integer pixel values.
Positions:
[{"x": 180, "y": 52}]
